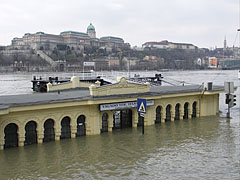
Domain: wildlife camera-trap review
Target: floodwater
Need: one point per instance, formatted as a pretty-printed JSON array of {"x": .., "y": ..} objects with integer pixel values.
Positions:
[{"x": 201, "y": 148}]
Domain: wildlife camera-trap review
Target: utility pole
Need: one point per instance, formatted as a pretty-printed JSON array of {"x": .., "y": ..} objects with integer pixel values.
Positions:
[{"x": 230, "y": 98}]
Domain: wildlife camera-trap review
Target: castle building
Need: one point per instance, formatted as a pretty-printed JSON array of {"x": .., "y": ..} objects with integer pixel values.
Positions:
[
  {"x": 73, "y": 39},
  {"x": 112, "y": 42}
]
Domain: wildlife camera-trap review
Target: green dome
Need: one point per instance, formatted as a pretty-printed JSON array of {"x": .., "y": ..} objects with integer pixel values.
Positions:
[{"x": 91, "y": 27}]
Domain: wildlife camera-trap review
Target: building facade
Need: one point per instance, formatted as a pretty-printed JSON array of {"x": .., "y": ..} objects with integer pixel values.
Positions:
[
  {"x": 169, "y": 45},
  {"x": 73, "y": 39},
  {"x": 39, "y": 118}
]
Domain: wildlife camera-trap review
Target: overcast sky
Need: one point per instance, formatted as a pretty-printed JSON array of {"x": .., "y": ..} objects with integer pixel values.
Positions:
[{"x": 204, "y": 23}]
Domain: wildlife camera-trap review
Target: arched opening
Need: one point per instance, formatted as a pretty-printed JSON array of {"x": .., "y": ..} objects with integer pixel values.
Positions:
[
  {"x": 30, "y": 133},
  {"x": 126, "y": 118},
  {"x": 122, "y": 119},
  {"x": 117, "y": 120},
  {"x": 65, "y": 128},
  {"x": 49, "y": 134},
  {"x": 194, "y": 109},
  {"x": 158, "y": 114},
  {"x": 104, "y": 123},
  {"x": 185, "y": 116},
  {"x": 168, "y": 112},
  {"x": 11, "y": 135},
  {"x": 177, "y": 112},
  {"x": 81, "y": 128}
]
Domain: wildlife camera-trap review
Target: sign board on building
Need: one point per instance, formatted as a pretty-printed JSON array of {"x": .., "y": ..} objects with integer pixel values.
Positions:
[
  {"x": 123, "y": 105},
  {"x": 88, "y": 63},
  {"x": 141, "y": 105},
  {"x": 228, "y": 87}
]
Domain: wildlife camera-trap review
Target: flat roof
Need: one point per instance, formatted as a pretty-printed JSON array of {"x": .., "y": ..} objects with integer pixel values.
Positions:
[{"x": 82, "y": 94}]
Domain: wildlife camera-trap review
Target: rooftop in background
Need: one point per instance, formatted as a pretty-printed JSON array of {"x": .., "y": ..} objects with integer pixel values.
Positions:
[{"x": 73, "y": 32}]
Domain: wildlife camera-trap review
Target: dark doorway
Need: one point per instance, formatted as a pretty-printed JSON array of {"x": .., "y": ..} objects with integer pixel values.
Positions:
[
  {"x": 61, "y": 67},
  {"x": 122, "y": 119},
  {"x": 194, "y": 110},
  {"x": 104, "y": 123},
  {"x": 168, "y": 112},
  {"x": 49, "y": 134},
  {"x": 177, "y": 112},
  {"x": 65, "y": 128},
  {"x": 81, "y": 128},
  {"x": 185, "y": 116},
  {"x": 11, "y": 135},
  {"x": 117, "y": 120},
  {"x": 158, "y": 115},
  {"x": 30, "y": 133},
  {"x": 126, "y": 118}
]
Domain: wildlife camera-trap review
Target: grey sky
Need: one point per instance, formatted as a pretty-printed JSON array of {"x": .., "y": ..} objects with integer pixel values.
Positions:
[{"x": 201, "y": 22}]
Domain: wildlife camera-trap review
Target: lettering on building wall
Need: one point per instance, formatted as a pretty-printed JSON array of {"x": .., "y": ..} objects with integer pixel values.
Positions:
[{"x": 123, "y": 105}]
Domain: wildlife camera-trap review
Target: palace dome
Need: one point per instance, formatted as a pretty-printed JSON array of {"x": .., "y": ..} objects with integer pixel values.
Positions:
[{"x": 91, "y": 27}]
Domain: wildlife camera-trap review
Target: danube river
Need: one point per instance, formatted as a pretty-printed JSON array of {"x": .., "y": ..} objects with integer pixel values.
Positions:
[{"x": 201, "y": 148}]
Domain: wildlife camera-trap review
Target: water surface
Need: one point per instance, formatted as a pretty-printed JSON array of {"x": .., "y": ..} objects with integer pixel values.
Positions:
[{"x": 201, "y": 148}]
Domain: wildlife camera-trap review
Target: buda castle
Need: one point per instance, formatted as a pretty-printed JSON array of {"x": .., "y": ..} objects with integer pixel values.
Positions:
[{"x": 73, "y": 39}]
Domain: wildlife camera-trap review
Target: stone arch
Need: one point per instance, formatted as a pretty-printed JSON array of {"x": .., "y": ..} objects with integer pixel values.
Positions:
[
  {"x": 194, "y": 109},
  {"x": 70, "y": 115},
  {"x": 31, "y": 118},
  {"x": 11, "y": 135},
  {"x": 36, "y": 120},
  {"x": 159, "y": 110},
  {"x": 49, "y": 116},
  {"x": 186, "y": 110},
  {"x": 177, "y": 111},
  {"x": 65, "y": 128},
  {"x": 104, "y": 122},
  {"x": 49, "y": 130},
  {"x": 81, "y": 126},
  {"x": 4, "y": 123},
  {"x": 79, "y": 114},
  {"x": 168, "y": 112},
  {"x": 30, "y": 133},
  {"x": 10, "y": 120}
]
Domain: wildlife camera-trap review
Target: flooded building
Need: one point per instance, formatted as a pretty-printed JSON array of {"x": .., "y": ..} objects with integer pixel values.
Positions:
[{"x": 39, "y": 118}]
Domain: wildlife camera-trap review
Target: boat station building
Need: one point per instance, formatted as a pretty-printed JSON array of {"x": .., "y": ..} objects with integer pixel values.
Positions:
[{"x": 43, "y": 117}]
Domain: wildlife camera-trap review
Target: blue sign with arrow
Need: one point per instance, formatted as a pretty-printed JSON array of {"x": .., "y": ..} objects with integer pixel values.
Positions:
[{"x": 141, "y": 105}]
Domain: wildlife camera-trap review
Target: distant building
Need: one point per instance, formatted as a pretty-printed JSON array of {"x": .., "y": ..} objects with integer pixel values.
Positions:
[
  {"x": 158, "y": 45},
  {"x": 225, "y": 44},
  {"x": 229, "y": 63},
  {"x": 38, "y": 40},
  {"x": 212, "y": 62},
  {"x": 184, "y": 46},
  {"x": 168, "y": 45},
  {"x": 73, "y": 39},
  {"x": 112, "y": 42}
]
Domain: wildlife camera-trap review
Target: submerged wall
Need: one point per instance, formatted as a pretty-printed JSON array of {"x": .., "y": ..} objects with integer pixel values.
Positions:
[{"x": 169, "y": 107}]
